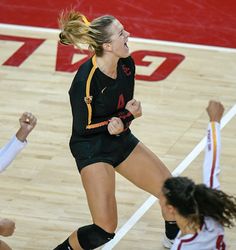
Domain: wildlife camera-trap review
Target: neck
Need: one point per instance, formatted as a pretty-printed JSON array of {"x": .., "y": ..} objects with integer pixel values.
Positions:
[
  {"x": 108, "y": 65},
  {"x": 186, "y": 226}
]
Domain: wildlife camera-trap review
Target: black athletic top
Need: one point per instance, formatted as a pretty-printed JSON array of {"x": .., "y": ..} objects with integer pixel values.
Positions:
[{"x": 95, "y": 98}]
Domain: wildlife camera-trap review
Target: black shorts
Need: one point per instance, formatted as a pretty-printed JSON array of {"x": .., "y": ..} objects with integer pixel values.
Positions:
[{"x": 103, "y": 148}]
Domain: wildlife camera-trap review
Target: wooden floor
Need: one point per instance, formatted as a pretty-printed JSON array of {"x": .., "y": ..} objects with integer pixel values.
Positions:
[{"x": 42, "y": 191}]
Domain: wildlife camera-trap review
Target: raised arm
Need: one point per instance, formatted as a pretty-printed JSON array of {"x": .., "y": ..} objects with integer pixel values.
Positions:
[
  {"x": 211, "y": 166},
  {"x": 9, "y": 152}
]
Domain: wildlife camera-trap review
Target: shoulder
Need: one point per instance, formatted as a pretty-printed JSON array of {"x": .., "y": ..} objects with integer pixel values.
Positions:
[
  {"x": 128, "y": 61},
  {"x": 81, "y": 76},
  {"x": 127, "y": 65},
  {"x": 212, "y": 225},
  {"x": 185, "y": 242},
  {"x": 84, "y": 70}
]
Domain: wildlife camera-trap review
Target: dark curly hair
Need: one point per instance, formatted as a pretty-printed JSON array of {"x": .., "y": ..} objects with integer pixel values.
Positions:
[{"x": 194, "y": 201}]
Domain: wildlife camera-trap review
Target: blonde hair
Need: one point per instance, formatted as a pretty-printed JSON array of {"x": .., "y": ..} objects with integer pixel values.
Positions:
[{"x": 77, "y": 30}]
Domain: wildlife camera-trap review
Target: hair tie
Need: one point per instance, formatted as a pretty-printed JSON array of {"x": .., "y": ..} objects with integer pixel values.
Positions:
[
  {"x": 62, "y": 39},
  {"x": 85, "y": 20}
]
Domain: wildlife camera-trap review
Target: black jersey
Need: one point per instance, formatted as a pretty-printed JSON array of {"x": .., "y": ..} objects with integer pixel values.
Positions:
[{"x": 95, "y": 97}]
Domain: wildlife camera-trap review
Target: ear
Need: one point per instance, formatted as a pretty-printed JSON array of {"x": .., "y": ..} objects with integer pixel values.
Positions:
[
  {"x": 107, "y": 46},
  {"x": 171, "y": 209}
]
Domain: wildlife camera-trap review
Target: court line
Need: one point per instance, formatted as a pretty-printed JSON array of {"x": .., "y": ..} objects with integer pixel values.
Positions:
[
  {"x": 132, "y": 39},
  {"x": 185, "y": 163},
  {"x": 177, "y": 171}
]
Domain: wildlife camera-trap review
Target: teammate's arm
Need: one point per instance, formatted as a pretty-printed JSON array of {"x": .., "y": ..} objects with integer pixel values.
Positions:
[
  {"x": 211, "y": 166},
  {"x": 9, "y": 152}
]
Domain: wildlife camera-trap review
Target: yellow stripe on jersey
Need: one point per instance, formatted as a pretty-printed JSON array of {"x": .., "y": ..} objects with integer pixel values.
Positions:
[
  {"x": 97, "y": 125},
  {"x": 214, "y": 153},
  {"x": 88, "y": 83}
]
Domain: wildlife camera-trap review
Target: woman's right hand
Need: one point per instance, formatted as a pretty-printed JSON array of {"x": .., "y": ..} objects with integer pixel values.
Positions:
[
  {"x": 27, "y": 123},
  {"x": 134, "y": 107},
  {"x": 115, "y": 126},
  {"x": 215, "y": 111}
]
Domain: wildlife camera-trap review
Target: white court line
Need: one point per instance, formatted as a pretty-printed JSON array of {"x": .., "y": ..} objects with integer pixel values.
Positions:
[
  {"x": 132, "y": 39},
  {"x": 185, "y": 163},
  {"x": 178, "y": 170},
  {"x": 29, "y": 28}
]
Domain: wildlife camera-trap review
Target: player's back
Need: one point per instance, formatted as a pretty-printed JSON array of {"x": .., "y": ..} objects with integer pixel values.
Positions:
[{"x": 211, "y": 237}]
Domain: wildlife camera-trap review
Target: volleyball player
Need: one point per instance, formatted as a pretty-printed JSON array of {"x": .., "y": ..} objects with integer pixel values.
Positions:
[
  {"x": 103, "y": 107},
  {"x": 201, "y": 211},
  {"x": 7, "y": 154}
]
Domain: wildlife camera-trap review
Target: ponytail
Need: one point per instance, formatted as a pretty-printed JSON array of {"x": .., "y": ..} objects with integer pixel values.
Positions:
[
  {"x": 77, "y": 30},
  {"x": 216, "y": 204},
  {"x": 196, "y": 201}
]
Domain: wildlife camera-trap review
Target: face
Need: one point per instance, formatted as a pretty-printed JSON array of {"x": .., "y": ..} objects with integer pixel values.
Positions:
[{"x": 119, "y": 38}]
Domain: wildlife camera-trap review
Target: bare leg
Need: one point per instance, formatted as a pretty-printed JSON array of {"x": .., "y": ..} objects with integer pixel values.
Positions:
[
  {"x": 145, "y": 170},
  {"x": 99, "y": 183}
]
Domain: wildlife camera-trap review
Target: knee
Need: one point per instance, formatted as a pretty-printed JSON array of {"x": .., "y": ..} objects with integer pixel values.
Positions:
[
  {"x": 108, "y": 221},
  {"x": 107, "y": 224},
  {"x": 93, "y": 236},
  {"x": 112, "y": 227}
]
